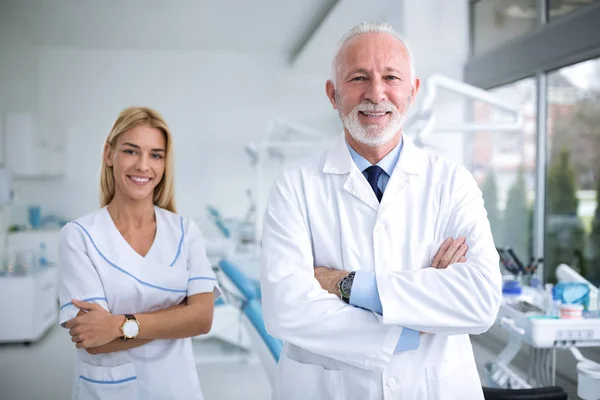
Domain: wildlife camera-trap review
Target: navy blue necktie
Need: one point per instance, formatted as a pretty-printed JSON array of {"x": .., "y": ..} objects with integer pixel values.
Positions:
[{"x": 373, "y": 174}]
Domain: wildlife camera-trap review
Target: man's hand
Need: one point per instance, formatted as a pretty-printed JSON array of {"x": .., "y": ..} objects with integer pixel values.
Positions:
[
  {"x": 93, "y": 326},
  {"x": 450, "y": 252},
  {"x": 329, "y": 278}
]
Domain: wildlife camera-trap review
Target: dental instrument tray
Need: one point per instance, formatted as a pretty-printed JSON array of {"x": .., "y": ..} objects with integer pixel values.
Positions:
[
  {"x": 525, "y": 307},
  {"x": 528, "y": 322}
]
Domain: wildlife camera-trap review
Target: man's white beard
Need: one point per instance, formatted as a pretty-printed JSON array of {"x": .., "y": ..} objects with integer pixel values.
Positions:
[{"x": 373, "y": 135}]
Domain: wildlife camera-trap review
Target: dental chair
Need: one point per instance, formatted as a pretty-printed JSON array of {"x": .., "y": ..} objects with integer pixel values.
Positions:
[
  {"x": 267, "y": 348},
  {"x": 247, "y": 298},
  {"x": 544, "y": 393},
  {"x": 247, "y": 288}
]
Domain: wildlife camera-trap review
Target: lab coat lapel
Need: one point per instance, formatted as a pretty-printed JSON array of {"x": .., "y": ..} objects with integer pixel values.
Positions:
[
  {"x": 339, "y": 161},
  {"x": 413, "y": 160},
  {"x": 410, "y": 164},
  {"x": 357, "y": 186}
]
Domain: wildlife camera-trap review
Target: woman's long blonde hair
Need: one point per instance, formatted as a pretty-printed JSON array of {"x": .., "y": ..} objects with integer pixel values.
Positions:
[{"x": 164, "y": 193}]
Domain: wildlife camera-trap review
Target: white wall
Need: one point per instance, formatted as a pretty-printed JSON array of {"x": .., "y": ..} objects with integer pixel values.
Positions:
[
  {"x": 214, "y": 101},
  {"x": 438, "y": 33}
]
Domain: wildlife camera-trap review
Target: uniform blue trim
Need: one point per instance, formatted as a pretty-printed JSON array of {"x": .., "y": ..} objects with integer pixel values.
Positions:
[
  {"x": 180, "y": 243},
  {"x": 122, "y": 270},
  {"x": 202, "y": 278},
  {"x": 86, "y": 300},
  {"x": 132, "y": 378}
]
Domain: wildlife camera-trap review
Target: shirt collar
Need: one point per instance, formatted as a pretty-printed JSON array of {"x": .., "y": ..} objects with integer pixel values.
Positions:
[{"x": 387, "y": 163}]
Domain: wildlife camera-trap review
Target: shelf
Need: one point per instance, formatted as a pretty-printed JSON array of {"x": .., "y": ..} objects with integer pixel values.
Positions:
[{"x": 21, "y": 177}]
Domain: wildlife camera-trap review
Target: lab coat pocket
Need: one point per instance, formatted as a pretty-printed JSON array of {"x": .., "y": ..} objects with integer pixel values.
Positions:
[
  {"x": 454, "y": 380},
  {"x": 104, "y": 383},
  {"x": 309, "y": 381}
]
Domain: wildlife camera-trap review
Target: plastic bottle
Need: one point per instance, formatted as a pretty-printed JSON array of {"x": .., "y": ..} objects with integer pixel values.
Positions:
[
  {"x": 553, "y": 303},
  {"x": 535, "y": 282},
  {"x": 511, "y": 290},
  {"x": 538, "y": 294}
]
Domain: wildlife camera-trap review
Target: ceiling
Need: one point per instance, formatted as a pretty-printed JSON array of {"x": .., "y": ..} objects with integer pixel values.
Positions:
[
  {"x": 265, "y": 26},
  {"x": 303, "y": 31}
]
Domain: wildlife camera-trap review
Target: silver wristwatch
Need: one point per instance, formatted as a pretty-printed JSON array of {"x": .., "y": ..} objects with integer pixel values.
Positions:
[{"x": 345, "y": 286}]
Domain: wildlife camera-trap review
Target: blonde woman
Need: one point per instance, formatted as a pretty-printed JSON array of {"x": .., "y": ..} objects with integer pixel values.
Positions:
[{"x": 135, "y": 282}]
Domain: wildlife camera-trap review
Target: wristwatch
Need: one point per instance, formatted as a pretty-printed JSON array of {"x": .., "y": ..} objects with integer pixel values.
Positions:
[
  {"x": 345, "y": 286},
  {"x": 130, "y": 328}
]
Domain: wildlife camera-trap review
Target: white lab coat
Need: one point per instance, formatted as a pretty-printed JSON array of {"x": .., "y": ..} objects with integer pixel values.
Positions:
[
  {"x": 98, "y": 265},
  {"x": 324, "y": 213}
]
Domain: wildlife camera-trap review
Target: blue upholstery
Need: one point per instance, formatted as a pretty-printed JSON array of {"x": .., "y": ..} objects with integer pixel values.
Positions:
[
  {"x": 246, "y": 286},
  {"x": 250, "y": 289},
  {"x": 219, "y": 302},
  {"x": 253, "y": 311},
  {"x": 218, "y": 220},
  {"x": 213, "y": 211},
  {"x": 224, "y": 230}
]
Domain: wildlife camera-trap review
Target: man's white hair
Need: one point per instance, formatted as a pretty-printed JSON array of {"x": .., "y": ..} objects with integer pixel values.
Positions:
[{"x": 361, "y": 29}]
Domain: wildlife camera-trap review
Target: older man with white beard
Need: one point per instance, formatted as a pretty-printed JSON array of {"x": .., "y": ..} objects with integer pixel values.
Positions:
[{"x": 365, "y": 272}]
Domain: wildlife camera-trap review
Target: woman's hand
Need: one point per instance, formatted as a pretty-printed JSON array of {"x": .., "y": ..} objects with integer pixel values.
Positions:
[{"x": 94, "y": 327}]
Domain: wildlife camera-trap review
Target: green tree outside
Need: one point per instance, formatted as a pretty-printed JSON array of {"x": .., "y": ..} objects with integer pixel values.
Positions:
[
  {"x": 490, "y": 199},
  {"x": 594, "y": 240},
  {"x": 517, "y": 227},
  {"x": 565, "y": 235}
]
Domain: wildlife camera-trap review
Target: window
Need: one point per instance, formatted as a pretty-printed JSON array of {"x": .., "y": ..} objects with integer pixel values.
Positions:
[
  {"x": 560, "y": 8},
  {"x": 506, "y": 172},
  {"x": 497, "y": 141},
  {"x": 498, "y": 21},
  {"x": 573, "y": 175}
]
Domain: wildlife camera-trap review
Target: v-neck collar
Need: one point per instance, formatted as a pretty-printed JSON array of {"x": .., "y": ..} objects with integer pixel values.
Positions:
[{"x": 118, "y": 233}]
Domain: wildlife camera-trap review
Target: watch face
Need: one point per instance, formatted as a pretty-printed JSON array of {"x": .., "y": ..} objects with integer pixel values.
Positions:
[
  {"x": 346, "y": 287},
  {"x": 131, "y": 329}
]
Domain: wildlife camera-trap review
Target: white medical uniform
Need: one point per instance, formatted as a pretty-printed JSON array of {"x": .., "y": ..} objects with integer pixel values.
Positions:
[
  {"x": 98, "y": 265},
  {"x": 324, "y": 213}
]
